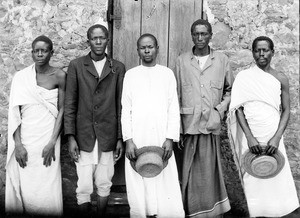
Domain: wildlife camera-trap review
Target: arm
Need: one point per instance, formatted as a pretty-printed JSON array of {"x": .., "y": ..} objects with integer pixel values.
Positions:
[
  {"x": 126, "y": 120},
  {"x": 178, "y": 81},
  {"x": 49, "y": 150},
  {"x": 253, "y": 144},
  {"x": 119, "y": 148},
  {"x": 284, "y": 118},
  {"x": 70, "y": 110},
  {"x": 20, "y": 151},
  {"x": 173, "y": 122},
  {"x": 228, "y": 81}
]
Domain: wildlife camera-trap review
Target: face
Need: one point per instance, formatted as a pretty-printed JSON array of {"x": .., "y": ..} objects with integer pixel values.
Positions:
[
  {"x": 262, "y": 54},
  {"x": 41, "y": 53},
  {"x": 98, "y": 42},
  {"x": 147, "y": 51},
  {"x": 201, "y": 36}
]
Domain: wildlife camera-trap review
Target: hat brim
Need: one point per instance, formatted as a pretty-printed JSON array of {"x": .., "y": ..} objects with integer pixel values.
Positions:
[
  {"x": 145, "y": 149},
  {"x": 248, "y": 157}
]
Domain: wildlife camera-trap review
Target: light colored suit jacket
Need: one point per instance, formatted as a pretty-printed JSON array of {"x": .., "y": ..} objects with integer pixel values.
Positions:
[{"x": 204, "y": 94}]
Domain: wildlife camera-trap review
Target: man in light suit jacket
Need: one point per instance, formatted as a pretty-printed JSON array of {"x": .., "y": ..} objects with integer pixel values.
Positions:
[
  {"x": 204, "y": 85},
  {"x": 92, "y": 119}
]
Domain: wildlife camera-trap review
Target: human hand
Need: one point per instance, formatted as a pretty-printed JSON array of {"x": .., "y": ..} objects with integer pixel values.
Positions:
[
  {"x": 168, "y": 149},
  {"x": 130, "y": 150},
  {"x": 180, "y": 144},
  {"x": 48, "y": 153},
  {"x": 119, "y": 150},
  {"x": 73, "y": 150},
  {"x": 272, "y": 145},
  {"x": 254, "y": 146},
  {"x": 21, "y": 155}
]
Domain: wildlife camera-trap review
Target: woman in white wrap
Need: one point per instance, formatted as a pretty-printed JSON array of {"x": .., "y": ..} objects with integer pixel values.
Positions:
[
  {"x": 259, "y": 113},
  {"x": 33, "y": 179}
]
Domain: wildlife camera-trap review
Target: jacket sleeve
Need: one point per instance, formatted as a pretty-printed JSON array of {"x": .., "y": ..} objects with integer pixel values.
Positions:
[
  {"x": 71, "y": 100},
  {"x": 173, "y": 128},
  {"x": 178, "y": 81},
  {"x": 228, "y": 81},
  {"x": 119, "y": 97},
  {"x": 126, "y": 118}
]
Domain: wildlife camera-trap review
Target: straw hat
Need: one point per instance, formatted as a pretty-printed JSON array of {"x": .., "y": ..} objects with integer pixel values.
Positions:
[
  {"x": 263, "y": 166},
  {"x": 149, "y": 161}
]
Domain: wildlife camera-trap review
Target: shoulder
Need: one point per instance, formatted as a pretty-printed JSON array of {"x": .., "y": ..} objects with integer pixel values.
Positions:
[
  {"x": 184, "y": 55},
  {"x": 117, "y": 63},
  {"x": 78, "y": 60},
  {"x": 132, "y": 71},
  {"x": 60, "y": 74},
  {"x": 24, "y": 72},
  {"x": 283, "y": 79},
  {"x": 220, "y": 55}
]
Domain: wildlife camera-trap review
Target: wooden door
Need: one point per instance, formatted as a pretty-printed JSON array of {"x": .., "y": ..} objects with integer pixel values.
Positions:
[{"x": 168, "y": 20}]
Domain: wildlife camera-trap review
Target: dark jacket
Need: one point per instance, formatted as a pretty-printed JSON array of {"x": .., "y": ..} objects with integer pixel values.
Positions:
[{"x": 93, "y": 104}]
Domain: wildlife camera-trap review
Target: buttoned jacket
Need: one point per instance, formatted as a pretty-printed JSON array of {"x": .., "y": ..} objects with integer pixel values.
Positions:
[
  {"x": 204, "y": 94},
  {"x": 93, "y": 103}
]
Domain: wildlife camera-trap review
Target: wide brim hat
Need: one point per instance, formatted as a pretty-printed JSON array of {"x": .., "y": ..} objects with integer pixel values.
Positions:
[
  {"x": 149, "y": 162},
  {"x": 263, "y": 166}
]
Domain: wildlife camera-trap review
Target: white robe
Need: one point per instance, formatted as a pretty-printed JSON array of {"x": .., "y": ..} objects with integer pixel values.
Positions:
[
  {"x": 259, "y": 93},
  {"x": 35, "y": 189},
  {"x": 150, "y": 114}
]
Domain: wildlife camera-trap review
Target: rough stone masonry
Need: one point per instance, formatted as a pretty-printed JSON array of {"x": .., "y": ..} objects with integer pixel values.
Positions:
[{"x": 235, "y": 25}]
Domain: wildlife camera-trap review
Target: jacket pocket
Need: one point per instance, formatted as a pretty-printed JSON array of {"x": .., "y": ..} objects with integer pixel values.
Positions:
[
  {"x": 214, "y": 121},
  {"x": 216, "y": 91},
  {"x": 187, "y": 110},
  {"x": 187, "y": 95}
]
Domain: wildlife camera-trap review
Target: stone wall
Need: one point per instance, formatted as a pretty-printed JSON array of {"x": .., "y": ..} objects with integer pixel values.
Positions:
[{"x": 235, "y": 25}]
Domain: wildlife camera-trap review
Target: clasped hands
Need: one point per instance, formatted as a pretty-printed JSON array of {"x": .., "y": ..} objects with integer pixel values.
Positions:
[{"x": 270, "y": 148}]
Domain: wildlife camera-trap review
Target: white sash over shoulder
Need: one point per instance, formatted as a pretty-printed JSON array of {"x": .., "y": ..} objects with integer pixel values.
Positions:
[{"x": 23, "y": 92}]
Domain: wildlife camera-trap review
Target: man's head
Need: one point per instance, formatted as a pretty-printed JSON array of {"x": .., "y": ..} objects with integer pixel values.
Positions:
[
  {"x": 201, "y": 33},
  {"x": 262, "y": 51},
  {"x": 42, "y": 50},
  {"x": 97, "y": 38},
  {"x": 147, "y": 48}
]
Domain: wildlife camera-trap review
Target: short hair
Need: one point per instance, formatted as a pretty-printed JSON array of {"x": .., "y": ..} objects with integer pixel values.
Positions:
[
  {"x": 263, "y": 38},
  {"x": 201, "y": 22},
  {"x": 90, "y": 30},
  {"x": 43, "y": 38},
  {"x": 147, "y": 35}
]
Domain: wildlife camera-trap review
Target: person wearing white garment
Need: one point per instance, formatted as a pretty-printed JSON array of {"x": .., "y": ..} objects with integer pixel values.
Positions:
[
  {"x": 33, "y": 172},
  {"x": 258, "y": 115},
  {"x": 150, "y": 116}
]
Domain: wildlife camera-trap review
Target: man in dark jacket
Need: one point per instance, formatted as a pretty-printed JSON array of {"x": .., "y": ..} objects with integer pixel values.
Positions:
[{"x": 92, "y": 118}]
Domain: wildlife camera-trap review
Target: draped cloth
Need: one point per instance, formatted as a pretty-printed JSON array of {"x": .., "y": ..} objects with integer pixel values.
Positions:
[
  {"x": 150, "y": 114},
  {"x": 35, "y": 189},
  {"x": 259, "y": 94},
  {"x": 203, "y": 187}
]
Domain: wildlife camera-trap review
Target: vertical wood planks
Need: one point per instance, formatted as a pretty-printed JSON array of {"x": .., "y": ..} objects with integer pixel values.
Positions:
[
  {"x": 182, "y": 14},
  {"x": 124, "y": 38},
  {"x": 155, "y": 20}
]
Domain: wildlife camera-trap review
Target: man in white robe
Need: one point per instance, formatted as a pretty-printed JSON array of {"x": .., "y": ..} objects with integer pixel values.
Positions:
[
  {"x": 33, "y": 175},
  {"x": 150, "y": 116},
  {"x": 259, "y": 113}
]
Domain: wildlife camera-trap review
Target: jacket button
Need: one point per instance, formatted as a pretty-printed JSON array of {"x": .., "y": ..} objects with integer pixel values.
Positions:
[
  {"x": 96, "y": 107},
  {"x": 96, "y": 123},
  {"x": 202, "y": 85}
]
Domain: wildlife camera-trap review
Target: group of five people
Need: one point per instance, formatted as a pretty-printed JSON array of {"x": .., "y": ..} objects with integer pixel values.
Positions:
[{"x": 100, "y": 107}]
